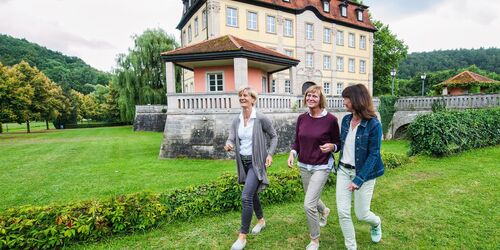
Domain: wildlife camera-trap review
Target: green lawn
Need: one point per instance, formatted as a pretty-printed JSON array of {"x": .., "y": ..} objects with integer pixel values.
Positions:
[{"x": 449, "y": 203}]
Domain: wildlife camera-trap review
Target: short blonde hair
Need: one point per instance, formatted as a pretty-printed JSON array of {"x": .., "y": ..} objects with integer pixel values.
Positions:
[
  {"x": 250, "y": 91},
  {"x": 322, "y": 98}
]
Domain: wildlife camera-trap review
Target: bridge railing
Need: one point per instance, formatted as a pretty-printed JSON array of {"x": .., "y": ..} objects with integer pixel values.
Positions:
[{"x": 452, "y": 102}]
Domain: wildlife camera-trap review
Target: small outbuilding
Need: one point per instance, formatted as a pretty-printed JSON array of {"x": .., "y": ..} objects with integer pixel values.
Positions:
[{"x": 465, "y": 83}]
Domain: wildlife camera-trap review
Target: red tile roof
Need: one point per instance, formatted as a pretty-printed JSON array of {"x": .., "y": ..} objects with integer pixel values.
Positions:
[
  {"x": 223, "y": 44},
  {"x": 334, "y": 13},
  {"x": 467, "y": 77}
]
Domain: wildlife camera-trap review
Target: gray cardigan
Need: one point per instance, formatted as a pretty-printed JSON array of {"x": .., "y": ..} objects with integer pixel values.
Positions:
[{"x": 262, "y": 126}]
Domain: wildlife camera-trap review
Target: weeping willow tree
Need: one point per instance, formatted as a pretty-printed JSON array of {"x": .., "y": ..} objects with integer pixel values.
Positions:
[{"x": 140, "y": 75}]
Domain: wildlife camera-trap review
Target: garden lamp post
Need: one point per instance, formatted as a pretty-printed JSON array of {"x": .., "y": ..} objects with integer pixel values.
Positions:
[
  {"x": 393, "y": 74},
  {"x": 423, "y": 80}
]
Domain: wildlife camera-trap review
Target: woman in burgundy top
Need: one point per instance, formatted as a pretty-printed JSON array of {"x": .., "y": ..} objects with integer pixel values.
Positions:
[{"x": 317, "y": 136}]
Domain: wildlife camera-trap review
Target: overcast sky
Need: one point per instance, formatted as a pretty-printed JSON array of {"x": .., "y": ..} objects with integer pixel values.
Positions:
[{"x": 98, "y": 30}]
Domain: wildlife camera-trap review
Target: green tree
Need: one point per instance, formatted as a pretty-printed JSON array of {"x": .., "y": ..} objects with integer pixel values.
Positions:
[
  {"x": 388, "y": 52},
  {"x": 140, "y": 75},
  {"x": 15, "y": 97}
]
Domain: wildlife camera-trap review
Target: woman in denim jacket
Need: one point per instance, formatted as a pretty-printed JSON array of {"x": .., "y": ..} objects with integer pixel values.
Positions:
[{"x": 360, "y": 163}]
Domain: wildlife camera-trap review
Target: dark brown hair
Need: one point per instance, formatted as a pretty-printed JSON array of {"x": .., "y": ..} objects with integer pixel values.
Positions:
[{"x": 361, "y": 101}]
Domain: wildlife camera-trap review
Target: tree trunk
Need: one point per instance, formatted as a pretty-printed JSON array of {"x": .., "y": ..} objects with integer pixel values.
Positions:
[
  {"x": 1, "y": 127},
  {"x": 47, "y": 124},
  {"x": 28, "y": 126}
]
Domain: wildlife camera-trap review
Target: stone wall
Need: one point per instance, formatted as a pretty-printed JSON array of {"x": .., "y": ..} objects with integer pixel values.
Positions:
[
  {"x": 204, "y": 135},
  {"x": 150, "y": 118}
]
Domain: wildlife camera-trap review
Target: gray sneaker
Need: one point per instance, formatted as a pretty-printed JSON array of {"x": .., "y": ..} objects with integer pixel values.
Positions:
[
  {"x": 376, "y": 233},
  {"x": 239, "y": 244},
  {"x": 258, "y": 227},
  {"x": 323, "y": 217}
]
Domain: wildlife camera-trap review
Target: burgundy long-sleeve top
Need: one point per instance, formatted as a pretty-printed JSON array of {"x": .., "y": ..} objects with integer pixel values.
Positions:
[{"x": 312, "y": 132}]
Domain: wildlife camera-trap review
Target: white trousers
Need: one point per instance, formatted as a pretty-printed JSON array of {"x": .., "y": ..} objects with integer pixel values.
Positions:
[{"x": 362, "y": 200}]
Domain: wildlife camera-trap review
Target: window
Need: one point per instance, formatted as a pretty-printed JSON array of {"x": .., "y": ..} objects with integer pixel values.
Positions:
[
  {"x": 326, "y": 6},
  {"x": 360, "y": 15},
  {"x": 326, "y": 88},
  {"x": 288, "y": 28},
  {"x": 340, "y": 37},
  {"x": 215, "y": 82},
  {"x": 231, "y": 17},
  {"x": 309, "y": 31},
  {"x": 273, "y": 86},
  {"x": 288, "y": 87},
  {"x": 204, "y": 19},
  {"x": 196, "y": 26},
  {"x": 352, "y": 40},
  {"x": 286, "y": 1},
  {"x": 251, "y": 20},
  {"x": 362, "y": 66},
  {"x": 340, "y": 88},
  {"x": 362, "y": 42},
  {"x": 327, "y": 62},
  {"x": 271, "y": 24},
  {"x": 340, "y": 63},
  {"x": 343, "y": 10},
  {"x": 190, "y": 34},
  {"x": 183, "y": 38},
  {"x": 289, "y": 52},
  {"x": 327, "y": 35},
  {"x": 351, "y": 65},
  {"x": 309, "y": 60}
]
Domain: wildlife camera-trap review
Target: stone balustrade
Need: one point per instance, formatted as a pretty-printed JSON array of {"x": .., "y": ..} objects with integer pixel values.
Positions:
[
  {"x": 150, "y": 109},
  {"x": 453, "y": 102}
]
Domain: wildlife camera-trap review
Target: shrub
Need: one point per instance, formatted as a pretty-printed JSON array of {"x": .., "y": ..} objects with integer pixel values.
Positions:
[
  {"x": 449, "y": 132},
  {"x": 393, "y": 160},
  {"x": 387, "y": 110}
]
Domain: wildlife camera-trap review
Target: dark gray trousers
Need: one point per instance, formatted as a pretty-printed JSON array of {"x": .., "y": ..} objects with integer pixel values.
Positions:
[{"x": 250, "y": 198}]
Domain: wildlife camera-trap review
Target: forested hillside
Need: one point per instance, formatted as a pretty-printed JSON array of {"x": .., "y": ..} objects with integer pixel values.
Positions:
[
  {"x": 68, "y": 72},
  {"x": 416, "y": 63}
]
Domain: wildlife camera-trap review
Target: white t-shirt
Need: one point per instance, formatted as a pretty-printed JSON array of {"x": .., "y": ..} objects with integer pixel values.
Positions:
[
  {"x": 349, "y": 153},
  {"x": 245, "y": 133}
]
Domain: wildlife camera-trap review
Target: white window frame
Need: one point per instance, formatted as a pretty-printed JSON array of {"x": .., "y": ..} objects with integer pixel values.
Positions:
[
  {"x": 309, "y": 32},
  {"x": 327, "y": 35},
  {"x": 340, "y": 37},
  {"x": 251, "y": 23},
  {"x": 289, "y": 52},
  {"x": 204, "y": 18},
  {"x": 326, "y": 88},
  {"x": 340, "y": 63},
  {"x": 190, "y": 34},
  {"x": 216, "y": 80},
  {"x": 288, "y": 28},
  {"x": 360, "y": 15},
  {"x": 362, "y": 42},
  {"x": 362, "y": 66},
  {"x": 273, "y": 86},
  {"x": 327, "y": 62},
  {"x": 271, "y": 24},
  {"x": 196, "y": 26},
  {"x": 351, "y": 65},
  {"x": 309, "y": 60},
  {"x": 352, "y": 40},
  {"x": 340, "y": 88},
  {"x": 326, "y": 6},
  {"x": 343, "y": 10},
  {"x": 231, "y": 20},
  {"x": 288, "y": 86}
]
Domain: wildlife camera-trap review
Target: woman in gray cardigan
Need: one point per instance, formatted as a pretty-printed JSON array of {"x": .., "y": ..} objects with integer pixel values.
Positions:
[{"x": 247, "y": 137}]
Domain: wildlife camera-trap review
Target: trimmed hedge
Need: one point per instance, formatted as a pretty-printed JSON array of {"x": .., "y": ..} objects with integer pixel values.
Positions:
[
  {"x": 449, "y": 132},
  {"x": 96, "y": 125},
  {"x": 49, "y": 227}
]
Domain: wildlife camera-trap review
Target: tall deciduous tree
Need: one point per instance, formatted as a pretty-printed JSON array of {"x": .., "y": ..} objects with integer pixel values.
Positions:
[
  {"x": 140, "y": 76},
  {"x": 388, "y": 52}
]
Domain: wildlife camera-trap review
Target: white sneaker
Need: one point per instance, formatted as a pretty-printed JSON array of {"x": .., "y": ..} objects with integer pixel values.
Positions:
[
  {"x": 324, "y": 217},
  {"x": 312, "y": 246},
  {"x": 376, "y": 233},
  {"x": 257, "y": 228},
  {"x": 239, "y": 244}
]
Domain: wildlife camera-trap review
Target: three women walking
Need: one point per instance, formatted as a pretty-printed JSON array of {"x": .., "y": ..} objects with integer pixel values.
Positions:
[{"x": 247, "y": 137}]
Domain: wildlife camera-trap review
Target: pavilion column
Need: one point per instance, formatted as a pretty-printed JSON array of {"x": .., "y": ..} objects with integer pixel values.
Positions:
[
  {"x": 291, "y": 74},
  {"x": 240, "y": 73},
  {"x": 170, "y": 81}
]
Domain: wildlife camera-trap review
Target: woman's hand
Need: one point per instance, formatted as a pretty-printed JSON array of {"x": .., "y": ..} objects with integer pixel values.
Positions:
[
  {"x": 352, "y": 187},
  {"x": 228, "y": 147},
  {"x": 327, "y": 148},
  {"x": 269, "y": 161},
  {"x": 290, "y": 160}
]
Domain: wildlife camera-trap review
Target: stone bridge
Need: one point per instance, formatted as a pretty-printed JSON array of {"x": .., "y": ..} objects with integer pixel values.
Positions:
[{"x": 408, "y": 108}]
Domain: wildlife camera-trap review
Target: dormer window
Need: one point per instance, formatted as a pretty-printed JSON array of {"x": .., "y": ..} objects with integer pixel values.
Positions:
[
  {"x": 359, "y": 14},
  {"x": 286, "y": 1},
  {"x": 343, "y": 9},
  {"x": 326, "y": 6}
]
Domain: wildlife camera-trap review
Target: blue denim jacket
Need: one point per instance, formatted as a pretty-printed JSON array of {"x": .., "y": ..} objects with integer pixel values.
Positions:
[{"x": 369, "y": 163}]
